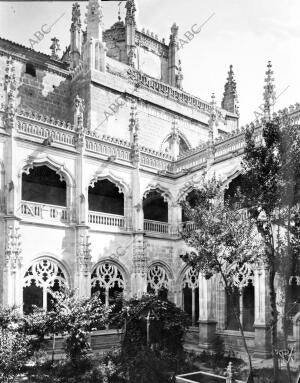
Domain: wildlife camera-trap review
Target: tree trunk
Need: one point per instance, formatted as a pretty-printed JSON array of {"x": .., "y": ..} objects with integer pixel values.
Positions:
[
  {"x": 274, "y": 314},
  {"x": 245, "y": 344}
]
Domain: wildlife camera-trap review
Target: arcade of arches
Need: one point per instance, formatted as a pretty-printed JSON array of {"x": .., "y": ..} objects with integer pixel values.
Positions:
[{"x": 45, "y": 276}]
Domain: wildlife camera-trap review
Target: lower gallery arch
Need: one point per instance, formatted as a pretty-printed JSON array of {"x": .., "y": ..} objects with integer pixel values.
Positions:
[
  {"x": 108, "y": 279},
  {"x": 42, "y": 280},
  {"x": 240, "y": 302},
  {"x": 158, "y": 280},
  {"x": 190, "y": 293}
]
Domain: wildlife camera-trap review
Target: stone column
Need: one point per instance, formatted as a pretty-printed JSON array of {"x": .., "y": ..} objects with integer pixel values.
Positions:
[
  {"x": 139, "y": 261},
  {"x": 139, "y": 275},
  {"x": 262, "y": 313},
  {"x": 174, "y": 217},
  {"x": 81, "y": 199},
  {"x": 83, "y": 262},
  {"x": 82, "y": 251},
  {"x": 207, "y": 315},
  {"x": 12, "y": 276}
]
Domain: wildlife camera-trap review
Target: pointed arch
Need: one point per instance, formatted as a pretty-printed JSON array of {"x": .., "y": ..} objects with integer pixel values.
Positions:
[
  {"x": 109, "y": 278},
  {"x": 159, "y": 276},
  {"x": 46, "y": 160},
  {"x": 165, "y": 192},
  {"x": 43, "y": 278},
  {"x": 122, "y": 186}
]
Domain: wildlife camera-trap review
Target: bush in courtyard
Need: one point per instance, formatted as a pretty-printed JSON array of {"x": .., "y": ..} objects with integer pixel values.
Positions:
[{"x": 15, "y": 351}]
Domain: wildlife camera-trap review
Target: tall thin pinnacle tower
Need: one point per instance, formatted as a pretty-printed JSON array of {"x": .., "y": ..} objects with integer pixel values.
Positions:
[{"x": 269, "y": 94}]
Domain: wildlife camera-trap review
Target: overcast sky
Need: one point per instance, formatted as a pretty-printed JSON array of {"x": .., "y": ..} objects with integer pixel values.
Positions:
[{"x": 244, "y": 33}]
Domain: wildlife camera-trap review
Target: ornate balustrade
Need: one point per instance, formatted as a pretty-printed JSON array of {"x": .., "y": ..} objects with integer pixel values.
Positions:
[
  {"x": 61, "y": 135},
  {"x": 43, "y": 211},
  {"x": 157, "y": 227},
  {"x": 109, "y": 146},
  {"x": 196, "y": 158},
  {"x": 105, "y": 219},
  {"x": 155, "y": 160}
]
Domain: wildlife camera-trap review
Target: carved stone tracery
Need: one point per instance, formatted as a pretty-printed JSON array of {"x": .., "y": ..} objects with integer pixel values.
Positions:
[
  {"x": 190, "y": 279},
  {"x": 157, "y": 278},
  {"x": 107, "y": 275},
  {"x": 45, "y": 273}
]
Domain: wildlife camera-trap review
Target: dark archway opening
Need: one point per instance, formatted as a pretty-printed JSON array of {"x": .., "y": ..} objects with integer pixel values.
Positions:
[
  {"x": 30, "y": 69},
  {"x": 192, "y": 199},
  {"x": 105, "y": 197},
  {"x": 43, "y": 185},
  {"x": 293, "y": 303},
  {"x": 248, "y": 307},
  {"x": 155, "y": 207},
  {"x": 232, "y": 309},
  {"x": 233, "y": 195}
]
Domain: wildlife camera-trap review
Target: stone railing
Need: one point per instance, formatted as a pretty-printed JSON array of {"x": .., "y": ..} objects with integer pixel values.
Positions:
[
  {"x": 157, "y": 227},
  {"x": 170, "y": 92},
  {"x": 43, "y": 211},
  {"x": 109, "y": 146},
  {"x": 61, "y": 135},
  {"x": 105, "y": 219}
]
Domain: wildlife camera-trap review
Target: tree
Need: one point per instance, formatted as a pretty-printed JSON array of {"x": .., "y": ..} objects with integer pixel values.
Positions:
[
  {"x": 15, "y": 345},
  {"x": 223, "y": 243},
  {"x": 271, "y": 194},
  {"x": 154, "y": 331},
  {"x": 78, "y": 317}
]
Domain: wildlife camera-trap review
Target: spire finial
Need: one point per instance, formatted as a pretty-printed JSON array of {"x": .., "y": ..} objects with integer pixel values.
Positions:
[
  {"x": 230, "y": 98},
  {"x": 130, "y": 12},
  {"x": 94, "y": 19},
  {"x": 269, "y": 91},
  {"x": 55, "y": 47},
  {"x": 119, "y": 11},
  {"x": 174, "y": 33},
  {"x": 76, "y": 17}
]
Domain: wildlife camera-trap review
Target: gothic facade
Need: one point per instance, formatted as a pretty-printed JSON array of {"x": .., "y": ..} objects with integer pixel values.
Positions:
[{"x": 97, "y": 150}]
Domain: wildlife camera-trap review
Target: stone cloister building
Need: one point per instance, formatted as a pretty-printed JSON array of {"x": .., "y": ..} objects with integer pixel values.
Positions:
[{"x": 97, "y": 150}]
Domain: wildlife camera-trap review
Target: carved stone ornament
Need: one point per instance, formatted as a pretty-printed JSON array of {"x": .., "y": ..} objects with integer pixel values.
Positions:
[
  {"x": 10, "y": 87},
  {"x": 139, "y": 257},
  {"x": 13, "y": 258},
  {"x": 84, "y": 255}
]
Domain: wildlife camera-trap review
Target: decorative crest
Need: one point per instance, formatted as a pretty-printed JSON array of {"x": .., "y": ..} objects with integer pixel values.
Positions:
[
  {"x": 179, "y": 76},
  {"x": 79, "y": 107},
  {"x": 55, "y": 47}
]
